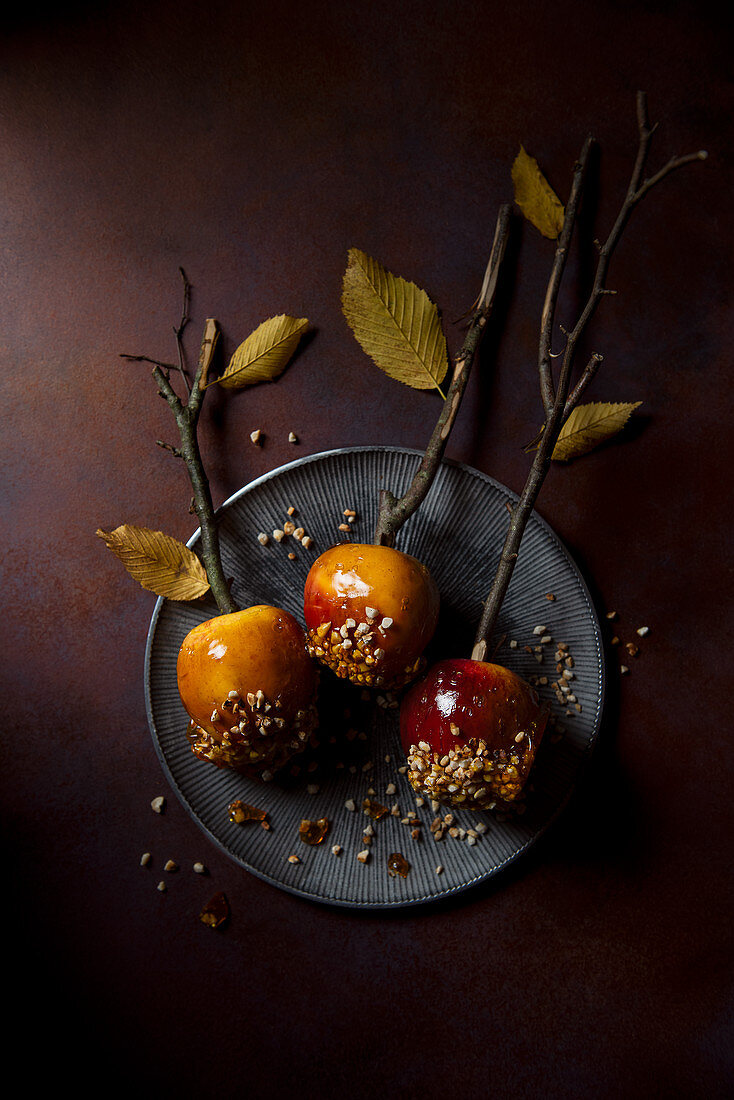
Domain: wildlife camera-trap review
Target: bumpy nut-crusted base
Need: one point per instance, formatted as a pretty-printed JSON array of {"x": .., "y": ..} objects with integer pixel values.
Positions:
[
  {"x": 353, "y": 652},
  {"x": 469, "y": 775},
  {"x": 251, "y": 735}
]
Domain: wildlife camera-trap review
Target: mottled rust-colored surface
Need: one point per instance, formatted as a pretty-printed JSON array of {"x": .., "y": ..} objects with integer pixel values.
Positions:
[{"x": 254, "y": 144}]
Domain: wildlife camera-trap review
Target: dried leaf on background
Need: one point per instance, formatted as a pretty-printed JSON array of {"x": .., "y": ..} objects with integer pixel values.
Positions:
[
  {"x": 158, "y": 562},
  {"x": 590, "y": 425},
  {"x": 395, "y": 323},
  {"x": 265, "y": 353},
  {"x": 535, "y": 197}
]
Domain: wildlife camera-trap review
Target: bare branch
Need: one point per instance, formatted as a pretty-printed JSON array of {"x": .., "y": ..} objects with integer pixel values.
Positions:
[
  {"x": 395, "y": 511},
  {"x": 554, "y": 283},
  {"x": 562, "y": 403}
]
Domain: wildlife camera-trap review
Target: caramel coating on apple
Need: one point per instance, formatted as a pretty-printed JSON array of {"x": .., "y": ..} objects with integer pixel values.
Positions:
[
  {"x": 370, "y": 612},
  {"x": 249, "y": 688},
  {"x": 470, "y": 731}
]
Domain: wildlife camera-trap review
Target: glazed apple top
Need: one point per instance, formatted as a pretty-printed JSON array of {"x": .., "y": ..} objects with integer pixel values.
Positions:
[
  {"x": 461, "y": 701},
  {"x": 381, "y": 591},
  {"x": 261, "y": 649}
]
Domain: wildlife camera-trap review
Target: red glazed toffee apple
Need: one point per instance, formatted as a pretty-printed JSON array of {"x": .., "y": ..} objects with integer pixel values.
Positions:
[
  {"x": 470, "y": 731},
  {"x": 370, "y": 612},
  {"x": 249, "y": 688}
]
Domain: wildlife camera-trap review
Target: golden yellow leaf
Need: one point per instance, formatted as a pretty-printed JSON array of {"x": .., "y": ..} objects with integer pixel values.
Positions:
[
  {"x": 265, "y": 353},
  {"x": 395, "y": 323},
  {"x": 535, "y": 197},
  {"x": 590, "y": 425},
  {"x": 158, "y": 562}
]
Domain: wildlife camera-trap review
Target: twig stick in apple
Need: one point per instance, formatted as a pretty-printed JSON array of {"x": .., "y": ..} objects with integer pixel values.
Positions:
[
  {"x": 559, "y": 399},
  {"x": 395, "y": 511}
]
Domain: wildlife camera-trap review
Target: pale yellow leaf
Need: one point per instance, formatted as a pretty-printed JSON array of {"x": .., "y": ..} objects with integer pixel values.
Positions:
[
  {"x": 265, "y": 353},
  {"x": 590, "y": 425},
  {"x": 158, "y": 562},
  {"x": 395, "y": 323},
  {"x": 535, "y": 197}
]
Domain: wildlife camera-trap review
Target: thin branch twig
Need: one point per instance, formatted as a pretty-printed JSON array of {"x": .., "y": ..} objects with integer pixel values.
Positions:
[
  {"x": 558, "y": 403},
  {"x": 395, "y": 511},
  {"x": 187, "y": 418}
]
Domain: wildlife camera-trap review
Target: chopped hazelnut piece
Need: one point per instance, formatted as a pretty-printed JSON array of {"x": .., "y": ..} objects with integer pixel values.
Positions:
[
  {"x": 256, "y": 436},
  {"x": 158, "y": 804}
]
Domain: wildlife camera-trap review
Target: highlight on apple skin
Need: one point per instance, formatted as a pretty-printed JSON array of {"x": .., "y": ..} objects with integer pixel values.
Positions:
[
  {"x": 249, "y": 688},
  {"x": 370, "y": 612},
  {"x": 470, "y": 731}
]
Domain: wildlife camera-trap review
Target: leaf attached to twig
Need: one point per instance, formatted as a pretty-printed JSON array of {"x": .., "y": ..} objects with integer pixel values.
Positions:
[
  {"x": 535, "y": 196},
  {"x": 590, "y": 425},
  {"x": 395, "y": 323},
  {"x": 158, "y": 562},
  {"x": 265, "y": 353}
]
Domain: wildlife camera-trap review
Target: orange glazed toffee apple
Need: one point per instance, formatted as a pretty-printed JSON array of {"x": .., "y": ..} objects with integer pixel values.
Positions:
[
  {"x": 250, "y": 688},
  {"x": 470, "y": 731},
  {"x": 370, "y": 612}
]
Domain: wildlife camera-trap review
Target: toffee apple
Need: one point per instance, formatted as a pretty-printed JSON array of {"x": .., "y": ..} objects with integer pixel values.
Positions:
[
  {"x": 470, "y": 731},
  {"x": 370, "y": 612},
  {"x": 249, "y": 688}
]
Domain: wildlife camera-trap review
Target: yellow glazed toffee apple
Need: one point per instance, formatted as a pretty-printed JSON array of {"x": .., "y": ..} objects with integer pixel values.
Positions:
[
  {"x": 470, "y": 731},
  {"x": 370, "y": 612},
  {"x": 249, "y": 687}
]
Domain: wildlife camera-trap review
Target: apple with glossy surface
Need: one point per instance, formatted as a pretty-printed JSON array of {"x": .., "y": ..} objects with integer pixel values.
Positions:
[
  {"x": 249, "y": 688},
  {"x": 470, "y": 731},
  {"x": 370, "y": 612}
]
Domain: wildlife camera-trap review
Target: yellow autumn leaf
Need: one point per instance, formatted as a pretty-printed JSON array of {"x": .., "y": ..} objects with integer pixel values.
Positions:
[
  {"x": 395, "y": 323},
  {"x": 158, "y": 562},
  {"x": 590, "y": 425},
  {"x": 265, "y": 353},
  {"x": 535, "y": 197}
]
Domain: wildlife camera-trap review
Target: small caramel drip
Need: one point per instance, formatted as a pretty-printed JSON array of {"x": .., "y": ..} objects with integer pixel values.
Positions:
[
  {"x": 397, "y": 864},
  {"x": 313, "y": 832},
  {"x": 240, "y": 812},
  {"x": 215, "y": 912},
  {"x": 374, "y": 809}
]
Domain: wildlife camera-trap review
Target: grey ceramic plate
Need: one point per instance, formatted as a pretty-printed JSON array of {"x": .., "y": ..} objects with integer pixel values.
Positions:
[{"x": 457, "y": 533}]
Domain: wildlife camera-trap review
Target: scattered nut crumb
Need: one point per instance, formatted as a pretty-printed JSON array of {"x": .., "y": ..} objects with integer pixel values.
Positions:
[
  {"x": 307, "y": 542},
  {"x": 623, "y": 669},
  {"x": 344, "y": 527},
  {"x": 170, "y": 865},
  {"x": 336, "y": 850},
  {"x": 643, "y": 631},
  {"x": 158, "y": 804},
  {"x": 292, "y": 437},
  {"x": 263, "y": 539},
  {"x": 145, "y": 859},
  {"x": 256, "y": 436},
  {"x": 350, "y": 805},
  {"x": 278, "y": 535},
  {"x": 611, "y": 615},
  {"x": 162, "y": 887},
  {"x": 200, "y": 868},
  {"x": 439, "y": 869},
  {"x": 364, "y": 855},
  {"x": 292, "y": 556},
  {"x": 293, "y": 859},
  {"x": 550, "y": 596}
]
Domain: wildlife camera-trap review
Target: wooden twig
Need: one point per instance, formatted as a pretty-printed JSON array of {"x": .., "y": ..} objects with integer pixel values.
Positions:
[
  {"x": 395, "y": 511},
  {"x": 187, "y": 418},
  {"x": 558, "y": 402}
]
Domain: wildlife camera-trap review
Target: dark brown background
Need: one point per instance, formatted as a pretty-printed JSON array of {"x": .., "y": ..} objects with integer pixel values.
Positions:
[{"x": 254, "y": 144}]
